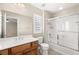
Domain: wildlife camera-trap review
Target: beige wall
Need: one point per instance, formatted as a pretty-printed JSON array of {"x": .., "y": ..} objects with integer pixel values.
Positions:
[{"x": 24, "y": 25}]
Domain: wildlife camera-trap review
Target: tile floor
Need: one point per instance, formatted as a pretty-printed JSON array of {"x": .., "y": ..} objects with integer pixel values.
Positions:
[{"x": 52, "y": 52}]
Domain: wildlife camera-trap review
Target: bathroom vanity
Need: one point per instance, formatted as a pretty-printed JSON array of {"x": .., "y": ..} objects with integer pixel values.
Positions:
[{"x": 25, "y": 45}]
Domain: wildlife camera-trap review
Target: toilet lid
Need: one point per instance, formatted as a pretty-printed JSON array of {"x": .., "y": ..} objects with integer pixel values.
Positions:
[{"x": 44, "y": 45}]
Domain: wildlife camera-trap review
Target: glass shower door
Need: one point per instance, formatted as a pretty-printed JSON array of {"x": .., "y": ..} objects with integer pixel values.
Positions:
[{"x": 68, "y": 32}]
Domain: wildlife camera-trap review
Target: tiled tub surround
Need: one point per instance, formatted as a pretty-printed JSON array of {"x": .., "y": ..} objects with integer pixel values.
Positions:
[{"x": 6, "y": 43}]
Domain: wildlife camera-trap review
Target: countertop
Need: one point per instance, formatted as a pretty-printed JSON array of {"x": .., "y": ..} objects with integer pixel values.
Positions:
[{"x": 6, "y": 43}]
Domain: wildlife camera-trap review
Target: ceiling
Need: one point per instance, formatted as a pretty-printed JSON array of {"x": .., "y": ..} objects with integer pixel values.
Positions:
[{"x": 54, "y": 7}]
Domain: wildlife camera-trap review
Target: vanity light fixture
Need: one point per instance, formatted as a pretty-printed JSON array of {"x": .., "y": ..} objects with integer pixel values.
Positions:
[{"x": 20, "y": 4}]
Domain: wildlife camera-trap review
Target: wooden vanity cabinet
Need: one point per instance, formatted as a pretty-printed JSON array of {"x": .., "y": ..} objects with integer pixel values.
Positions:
[
  {"x": 34, "y": 45},
  {"x": 34, "y": 49},
  {"x": 4, "y": 52},
  {"x": 20, "y": 49},
  {"x": 25, "y": 49},
  {"x": 34, "y": 52}
]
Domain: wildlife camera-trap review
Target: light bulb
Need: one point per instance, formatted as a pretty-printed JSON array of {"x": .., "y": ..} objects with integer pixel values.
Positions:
[{"x": 61, "y": 8}]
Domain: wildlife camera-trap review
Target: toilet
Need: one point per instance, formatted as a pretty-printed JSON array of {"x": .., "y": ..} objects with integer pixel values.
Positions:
[{"x": 43, "y": 47}]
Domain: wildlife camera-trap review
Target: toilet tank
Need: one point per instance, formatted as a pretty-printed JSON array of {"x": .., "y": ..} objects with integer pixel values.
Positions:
[{"x": 40, "y": 40}]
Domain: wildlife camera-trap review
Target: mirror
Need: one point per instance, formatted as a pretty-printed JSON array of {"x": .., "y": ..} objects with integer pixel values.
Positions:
[
  {"x": 8, "y": 25},
  {"x": 14, "y": 24},
  {"x": 11, "y": 27}
]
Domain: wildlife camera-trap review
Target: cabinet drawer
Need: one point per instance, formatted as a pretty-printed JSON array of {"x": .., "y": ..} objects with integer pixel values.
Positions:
[{"x": 20, "y": 48}]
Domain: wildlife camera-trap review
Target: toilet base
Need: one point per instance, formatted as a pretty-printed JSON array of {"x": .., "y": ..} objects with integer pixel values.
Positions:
[
  {"x": 43, "y": 48},
  {"x": 43, "y": 52}
]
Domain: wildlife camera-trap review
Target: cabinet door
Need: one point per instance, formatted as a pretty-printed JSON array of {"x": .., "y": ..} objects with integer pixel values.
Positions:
[
  {"x": 21, "y": 48},
  {"x": 34, "y": 45},
  {"x": 4, "y": 52},
  {"x": 34, "y": 52}
]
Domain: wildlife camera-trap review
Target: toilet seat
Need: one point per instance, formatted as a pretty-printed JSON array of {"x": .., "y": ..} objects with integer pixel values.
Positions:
[{"x": 44, "y": 44}]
